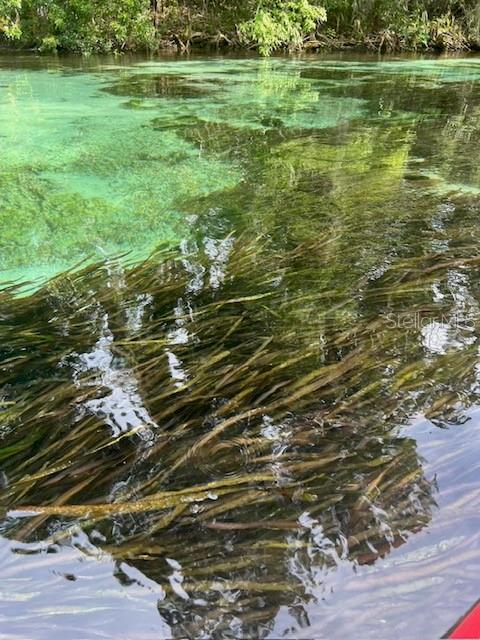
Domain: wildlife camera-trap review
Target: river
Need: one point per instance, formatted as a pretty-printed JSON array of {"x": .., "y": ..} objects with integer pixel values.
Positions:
[{"x": 239, "y": 346}]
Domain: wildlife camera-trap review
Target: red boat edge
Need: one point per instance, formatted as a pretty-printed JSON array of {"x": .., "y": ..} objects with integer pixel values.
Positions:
[{"x": 468, "y": 627}]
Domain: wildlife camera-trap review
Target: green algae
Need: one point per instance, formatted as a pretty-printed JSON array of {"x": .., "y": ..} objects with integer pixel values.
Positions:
[
  {"x": 80, "y": 175},
  {"x": 107, "y": 159},
  {"x": 96, "y": 163}
]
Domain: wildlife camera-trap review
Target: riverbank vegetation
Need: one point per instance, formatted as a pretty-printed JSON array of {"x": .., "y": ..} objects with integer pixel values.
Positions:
[{"x": 267, "y": 25}]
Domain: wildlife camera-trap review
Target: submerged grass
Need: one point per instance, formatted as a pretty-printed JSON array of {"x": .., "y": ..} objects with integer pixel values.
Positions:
[{"x": 197, "y": 408}]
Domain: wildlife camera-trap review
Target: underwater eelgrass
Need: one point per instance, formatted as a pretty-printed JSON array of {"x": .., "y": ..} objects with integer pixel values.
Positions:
[{"x": 225, "y": 409}]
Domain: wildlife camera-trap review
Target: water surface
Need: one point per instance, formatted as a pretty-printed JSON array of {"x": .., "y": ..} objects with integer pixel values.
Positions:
[{"x": 239, "y": 397}]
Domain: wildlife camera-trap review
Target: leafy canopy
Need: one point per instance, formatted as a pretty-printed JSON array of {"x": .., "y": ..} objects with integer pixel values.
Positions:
[
  {"x": 280, "y": 23},
  {"x": 118, "y": 25},
  {"x": 78, "y": 25}
]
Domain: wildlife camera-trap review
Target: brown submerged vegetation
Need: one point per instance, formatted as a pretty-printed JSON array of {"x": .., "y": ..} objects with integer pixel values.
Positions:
[{"x": 178, "y": 409}]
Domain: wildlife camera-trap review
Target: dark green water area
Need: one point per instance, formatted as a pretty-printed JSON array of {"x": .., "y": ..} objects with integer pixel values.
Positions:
[{"x": 239, "y": 347}]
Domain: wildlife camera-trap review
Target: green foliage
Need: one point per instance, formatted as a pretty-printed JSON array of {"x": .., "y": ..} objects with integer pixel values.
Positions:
[
  {"x": 9, "y": 18},
  {"x": 80, "y": 25},
  {"x": 268, "y": 25},
  {"x": 447, "y": 33},
  {"x": 406, "y": 24},
  {"x": 278, "y": 23}
]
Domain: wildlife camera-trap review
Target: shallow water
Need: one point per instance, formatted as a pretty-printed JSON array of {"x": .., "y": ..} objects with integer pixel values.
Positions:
[{"x": 247, "y": 403}]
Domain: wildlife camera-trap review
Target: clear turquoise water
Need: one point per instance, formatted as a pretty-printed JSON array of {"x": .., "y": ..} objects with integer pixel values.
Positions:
[
  {"x": 102, "y": 158},
  {"x": 94, "y": 161}
]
